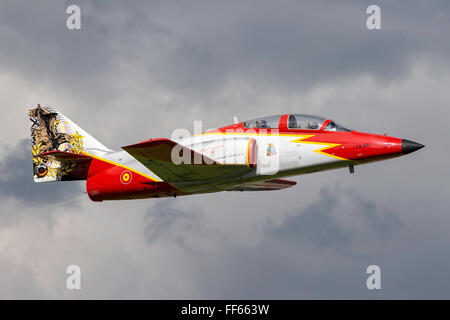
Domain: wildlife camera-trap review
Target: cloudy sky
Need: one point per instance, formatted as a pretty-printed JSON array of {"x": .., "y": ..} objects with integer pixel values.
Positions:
[{"x": 141, "y": 69}]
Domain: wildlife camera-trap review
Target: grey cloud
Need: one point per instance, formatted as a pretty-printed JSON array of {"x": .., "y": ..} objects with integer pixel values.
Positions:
[
  {"x": 196, "y": 46},
  {"x": 16, "y": 179},
  {"x": 20, "y": 281},
  {"x": 336, "y": 221},
  {"x": 320, "y": 252},
  {"x": 154, "y": 66},
  {"x": 152, "y": 57},
  {"x": 167, "y": 223},
  {"x": 315, "y": 225}
]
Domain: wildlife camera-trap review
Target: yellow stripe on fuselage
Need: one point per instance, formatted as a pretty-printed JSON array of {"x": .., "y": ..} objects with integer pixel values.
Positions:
[
  {"x": 122, "y": 166},
  {"x": 320, "y": 151}
]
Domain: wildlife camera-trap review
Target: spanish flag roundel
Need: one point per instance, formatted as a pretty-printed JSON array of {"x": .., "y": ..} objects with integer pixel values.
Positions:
[{"x": 125, "y": 177}]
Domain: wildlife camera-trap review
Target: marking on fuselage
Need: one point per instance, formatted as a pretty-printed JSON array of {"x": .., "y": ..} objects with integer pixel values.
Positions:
[
  {"x": 299, "y": 140},
  {"x": 126, "y": 177},
  {"x": 321, "y": 150}
]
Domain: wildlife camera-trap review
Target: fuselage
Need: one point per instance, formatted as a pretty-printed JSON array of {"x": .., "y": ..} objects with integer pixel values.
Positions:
[{"x": 271, "y": 147}]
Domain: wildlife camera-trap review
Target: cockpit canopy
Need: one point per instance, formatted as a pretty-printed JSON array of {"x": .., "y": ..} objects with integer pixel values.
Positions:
[
  {"x": 295, "y": 122},
  {"x": 307, "y": 122},
  {"x": 271, "y": 122}
]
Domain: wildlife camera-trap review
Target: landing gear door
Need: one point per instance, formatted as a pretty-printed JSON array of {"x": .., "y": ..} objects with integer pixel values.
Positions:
[{"x": 268, "y": 162}]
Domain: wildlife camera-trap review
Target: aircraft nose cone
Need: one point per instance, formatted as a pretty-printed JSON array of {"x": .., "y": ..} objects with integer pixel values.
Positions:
[{"x": 409, "y": 146}]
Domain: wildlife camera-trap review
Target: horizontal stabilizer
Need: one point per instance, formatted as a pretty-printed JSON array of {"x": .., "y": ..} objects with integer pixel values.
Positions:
[
  {"x": 57, "y": 165},
  {"x": 62, "y": 155}
]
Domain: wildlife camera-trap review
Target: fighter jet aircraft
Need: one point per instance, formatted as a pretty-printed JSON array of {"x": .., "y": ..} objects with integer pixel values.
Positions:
[{"x": 253, "y": 155}]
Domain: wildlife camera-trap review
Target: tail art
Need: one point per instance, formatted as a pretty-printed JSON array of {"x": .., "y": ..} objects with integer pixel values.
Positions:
[{"x": 60, "y": 148}]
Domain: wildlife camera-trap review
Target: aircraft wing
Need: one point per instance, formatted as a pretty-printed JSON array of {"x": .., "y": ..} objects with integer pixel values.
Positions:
[
  {"x": 267, "y": 185},
  {"x": 156, "y": 154}
]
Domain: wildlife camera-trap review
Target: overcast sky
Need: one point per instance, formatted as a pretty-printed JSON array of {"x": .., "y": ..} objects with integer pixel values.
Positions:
[{"x": 140, "y": 69}]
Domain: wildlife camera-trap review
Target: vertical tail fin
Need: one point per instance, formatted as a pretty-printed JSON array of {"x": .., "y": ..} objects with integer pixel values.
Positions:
[{"x": 52, "y": 131}]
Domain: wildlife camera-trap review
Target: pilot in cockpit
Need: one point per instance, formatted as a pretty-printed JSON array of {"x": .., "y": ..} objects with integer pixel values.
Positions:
[
  {"x": 313, "y": 125},
  {"x": 292, "y": 122},
  {"x": 261, "y": 124}
]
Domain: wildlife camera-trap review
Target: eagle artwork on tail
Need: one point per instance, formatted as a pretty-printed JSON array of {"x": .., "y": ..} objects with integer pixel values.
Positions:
[
  {"x": 50, "y": 131},
  {"x": 44, "y": 130}
]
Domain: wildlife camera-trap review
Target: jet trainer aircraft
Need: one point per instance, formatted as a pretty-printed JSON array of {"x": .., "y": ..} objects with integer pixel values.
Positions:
[{"x": 252, "y": 155}]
